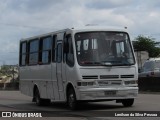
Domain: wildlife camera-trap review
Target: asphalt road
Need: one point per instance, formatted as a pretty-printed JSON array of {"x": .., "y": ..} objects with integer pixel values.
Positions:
[{"x": 15, "y": 101}]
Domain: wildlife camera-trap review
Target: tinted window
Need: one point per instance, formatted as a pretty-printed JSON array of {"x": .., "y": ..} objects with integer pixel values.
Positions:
[
  {"x": 53, "y": 48},
  {"x": 23, "y": 59},
  {"x": 47, "y": 43},
  {"x": 33, "y": 58},
  {"x": 24, "y": 47},
  {"x": 33, "y": 52},
  {"x": 45, "y": 57},
  {"x": 34, "y": 46},
  {"x": 23, "y": 54},
  {"x": 69, "y": 54},
  {"x": 98, "y": 48},
  {"x": 45, "y": 52},
  {"x": 59, "y": 53}
]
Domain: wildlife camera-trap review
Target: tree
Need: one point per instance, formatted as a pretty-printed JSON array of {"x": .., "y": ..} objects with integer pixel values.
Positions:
[{"x": 143, "y": 43}]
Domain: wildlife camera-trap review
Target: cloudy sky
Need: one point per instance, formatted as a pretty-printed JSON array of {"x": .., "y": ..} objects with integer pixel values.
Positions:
[{"x": 25, "y": 18}]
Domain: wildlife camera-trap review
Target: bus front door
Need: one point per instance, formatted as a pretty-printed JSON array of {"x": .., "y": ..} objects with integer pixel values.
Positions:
[{"x": 59, "y": 71}]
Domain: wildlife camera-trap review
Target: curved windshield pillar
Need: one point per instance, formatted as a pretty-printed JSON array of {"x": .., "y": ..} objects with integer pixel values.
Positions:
[{"x": 104, "y": 48}]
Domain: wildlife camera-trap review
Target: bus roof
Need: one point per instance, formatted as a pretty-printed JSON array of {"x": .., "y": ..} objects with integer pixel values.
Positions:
[
  {"x": 99, "y": 28},
  {"x": 81, "y": 29}
]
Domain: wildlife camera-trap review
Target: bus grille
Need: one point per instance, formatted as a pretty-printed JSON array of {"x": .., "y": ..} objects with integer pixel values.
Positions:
[
  {"x": 90, "y": 77},
  {"x": 109, "y": 76},
  {"x": 127, "y": 76}
]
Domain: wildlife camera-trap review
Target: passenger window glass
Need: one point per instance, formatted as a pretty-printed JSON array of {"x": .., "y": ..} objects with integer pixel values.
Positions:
[
  {"x": 45, "y": 57},
  {"x": 23, "y": 47},
  {"x": 23, "y": 54},
  {"x": 47, "y": 43},
  {"x": 53, "y": 48},
  {"x": 70, "y": 54},
  {"x": 59, "y": 53},
  {"x": 23, "y": 60},
  {"x": 46, "y": 50},
  {"x": 33, "y": 52},
  {"x": 34, "y": 46},
  {"x": 33, "y": 58}
]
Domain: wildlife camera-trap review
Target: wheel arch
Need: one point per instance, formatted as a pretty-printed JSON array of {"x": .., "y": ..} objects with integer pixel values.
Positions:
[{"x": 69, "y": 86}]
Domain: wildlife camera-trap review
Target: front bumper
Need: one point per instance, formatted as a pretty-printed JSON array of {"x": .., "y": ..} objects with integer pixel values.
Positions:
[{"x": 107, "y": 93}]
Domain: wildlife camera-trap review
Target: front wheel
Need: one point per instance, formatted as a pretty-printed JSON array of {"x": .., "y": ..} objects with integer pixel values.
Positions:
[
  {"x": 71, "y": 99},
  {"x": 127, "y": 102}
]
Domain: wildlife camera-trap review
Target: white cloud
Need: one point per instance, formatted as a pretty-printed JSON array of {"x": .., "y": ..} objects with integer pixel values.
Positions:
[{"x": 107, "y": 4}]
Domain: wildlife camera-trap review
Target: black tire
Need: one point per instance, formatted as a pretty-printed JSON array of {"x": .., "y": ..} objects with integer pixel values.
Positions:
[
  {"x": 46, "y": 102},
  {"x": 127, "y": 102},
  {"x": 37, "y": 98},
  {"x": 71, "y": 99}
]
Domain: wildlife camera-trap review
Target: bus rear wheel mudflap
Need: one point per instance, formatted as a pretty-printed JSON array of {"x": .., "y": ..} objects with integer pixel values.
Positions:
[{"x": 71, "y": 99}]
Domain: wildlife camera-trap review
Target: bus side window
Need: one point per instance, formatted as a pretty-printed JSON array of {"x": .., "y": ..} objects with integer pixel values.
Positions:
[
  {"x": 53, "y": 48},
  {"x": 59, "y": 53},
  {"x": 33, "y": 52},
  {"x": 69, "y": 51},
  {"x": 45, "y": 50},
  {"x": 23, "y": 54}
]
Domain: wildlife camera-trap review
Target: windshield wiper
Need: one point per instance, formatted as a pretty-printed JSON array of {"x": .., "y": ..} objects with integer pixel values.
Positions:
[
  {"x": 90, "y": 62},
  {"x": 97, "y": 63}
]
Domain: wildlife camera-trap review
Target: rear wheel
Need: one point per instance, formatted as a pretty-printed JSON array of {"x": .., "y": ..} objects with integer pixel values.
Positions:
[
  {"x": 39, "y": 101},
  {"x": 71, "y": 99},
  {"x": 127, "y": 102}
]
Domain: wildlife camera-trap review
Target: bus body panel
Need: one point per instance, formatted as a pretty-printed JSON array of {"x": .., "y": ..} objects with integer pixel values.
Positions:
[
  {"x": 54, "y": 83},
  {"x": 117, "y": 83},
  {"x": 110, "y": 93},
  {"x": 60, "y": 76},
  {"x": 39, "y": 75}
]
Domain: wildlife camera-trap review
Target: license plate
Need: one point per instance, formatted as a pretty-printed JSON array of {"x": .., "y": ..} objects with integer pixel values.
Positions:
[{"x": 110, "y": 93}]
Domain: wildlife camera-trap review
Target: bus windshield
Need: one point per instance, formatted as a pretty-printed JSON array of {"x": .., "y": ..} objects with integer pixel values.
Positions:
[{"x": 103, "y": 48}]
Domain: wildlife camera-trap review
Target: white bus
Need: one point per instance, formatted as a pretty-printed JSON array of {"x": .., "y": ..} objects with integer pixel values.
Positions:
[{"x": 79, "y": 64}]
